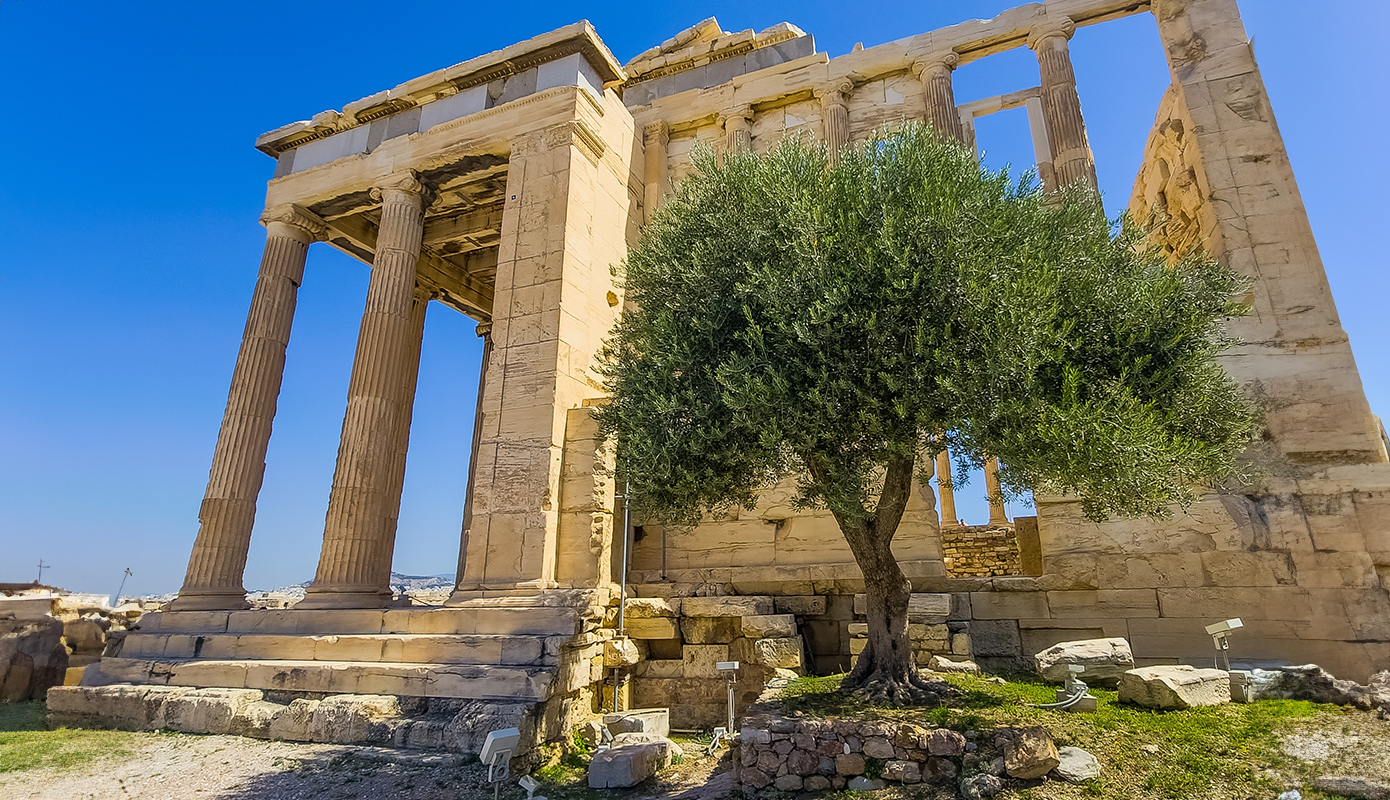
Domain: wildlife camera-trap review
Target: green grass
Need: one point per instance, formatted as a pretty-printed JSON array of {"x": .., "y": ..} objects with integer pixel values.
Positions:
[
  {"x": 1205, "y": 752},
  {"x": 27, "y": 743}
]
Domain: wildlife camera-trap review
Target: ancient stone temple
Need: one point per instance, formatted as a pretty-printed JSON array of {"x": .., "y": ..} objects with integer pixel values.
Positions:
[{"x": 506, "y": 186}]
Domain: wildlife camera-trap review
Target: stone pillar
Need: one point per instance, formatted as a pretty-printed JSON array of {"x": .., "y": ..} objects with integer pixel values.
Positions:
[
  {"x": 228, "y": 512},
  {"x": 358, "y": 532},
  {"x": 946, "y": 490},
  {"x": 564, "y": 223},
  {"x": 834, "y": 101},
  {"x": 738, "y": 130},
  {"x": 934, "y": 71},
  {"x": 997, "y": 514},
  {"x": 484, "y": 332},
  {"x": 1066, "y": 129},
  {"x": 410, "y": 380},
  {"x": 656, "y": 169}
]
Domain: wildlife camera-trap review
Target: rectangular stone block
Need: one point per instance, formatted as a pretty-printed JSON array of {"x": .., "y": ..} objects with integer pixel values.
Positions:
[
  {"x": 802, "y": 606},
  {"x": 921, "y": 607},
  {"x": 1009, "y": 605},
  {"x": 727, "y": 606},
  {"x": 1104, "y": 603},
  {"x": 651, "y": 628}
]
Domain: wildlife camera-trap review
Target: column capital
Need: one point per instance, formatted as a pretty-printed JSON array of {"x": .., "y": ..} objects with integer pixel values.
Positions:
[
  {"x": 656, "y": 133},
  {"x": 1064, "y": 28},
  {"x": 407, "y": 183},
  {"x": 744, "y": 113},
  {"x": 483, "y": 330},
  {"x": 297, "y": 222},
  {"x": 945, "y": 61},
  {"x": 834, "y": 93}
]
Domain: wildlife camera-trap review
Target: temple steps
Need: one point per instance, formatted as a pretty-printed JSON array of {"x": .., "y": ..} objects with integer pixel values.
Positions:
[
  {"x": 504, "y": 650},
  {"x": 465, "y": 681},
  {"x": 493, "y": 618}
]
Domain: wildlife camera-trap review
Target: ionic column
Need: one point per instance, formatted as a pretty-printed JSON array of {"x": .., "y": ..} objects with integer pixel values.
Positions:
[
  {"x": 1066, "y": 129},
  {"x": 834, "y": 101},
  {"x": 410, "y": 380},
  {"x": 358, "y": 532},
  {"x": 738, "y": 130},
  {"x": 997, "y": 514},
  {"x": 484, "y": 332},
  {"x": 228, "y": 512},
  {"x": 656, "y": 170},
  {"x": 946, "y": 490},
  {"x": 934, "y": 71}
]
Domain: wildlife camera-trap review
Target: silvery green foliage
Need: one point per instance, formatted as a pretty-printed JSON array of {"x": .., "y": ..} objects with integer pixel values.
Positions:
[{"x": 797, "y": 318}]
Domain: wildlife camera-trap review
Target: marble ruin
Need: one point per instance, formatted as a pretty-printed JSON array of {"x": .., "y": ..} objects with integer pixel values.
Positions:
[{"x": 506, "y": 186}]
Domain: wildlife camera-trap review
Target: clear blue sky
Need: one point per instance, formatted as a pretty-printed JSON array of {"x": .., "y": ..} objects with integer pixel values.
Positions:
[{"x": 130, "y": 190}]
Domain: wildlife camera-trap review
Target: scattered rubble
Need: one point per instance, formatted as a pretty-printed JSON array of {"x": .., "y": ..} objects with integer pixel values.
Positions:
[{"x": 1076, "y": 765}]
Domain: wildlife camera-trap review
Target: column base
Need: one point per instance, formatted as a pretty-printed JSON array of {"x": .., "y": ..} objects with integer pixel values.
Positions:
[
  {"x": 327, "y": 598},
  {"x": 230, "y": 600}
]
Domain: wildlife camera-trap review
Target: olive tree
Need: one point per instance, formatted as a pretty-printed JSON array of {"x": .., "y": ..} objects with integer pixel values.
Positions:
[{"x": 843, "y": 320}]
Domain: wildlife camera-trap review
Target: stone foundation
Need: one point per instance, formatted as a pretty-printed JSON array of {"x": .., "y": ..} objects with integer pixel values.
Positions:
[{"x": 980, "y": 551}]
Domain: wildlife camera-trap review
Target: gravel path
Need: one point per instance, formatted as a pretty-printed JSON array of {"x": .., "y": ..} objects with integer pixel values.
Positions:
[{"x": 233, "y": 768}]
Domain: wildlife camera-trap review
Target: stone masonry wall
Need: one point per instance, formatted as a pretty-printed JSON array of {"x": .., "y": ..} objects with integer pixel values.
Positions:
[{"x": 980, "y": 551}]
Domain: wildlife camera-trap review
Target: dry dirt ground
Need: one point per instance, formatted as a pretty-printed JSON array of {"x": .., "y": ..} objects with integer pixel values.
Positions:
[{"x": 179, "y": 767}]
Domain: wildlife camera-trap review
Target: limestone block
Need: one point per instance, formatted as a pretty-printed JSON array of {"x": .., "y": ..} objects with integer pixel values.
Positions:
[
  {"x": 710, "y": 630},
  {"x": 1104, "y": 603},
  {"x": 84, "y": 635},
  {"x": 649, "y": 607},
  {"x": 626, "y": 766},
  {"x": 208, "y": 710},
  {"x": 1029, "y": 753},
  {"x": 293, "y": 723},
  {"x": 1104, "y": 659},
  {"x": 620, "y": 653},
  {"x": 1075, "y": 765},
  {"x": 651, "y": 628},
  {"x": 590, "y": 733},
  {"x": 1176, "y": 686},
  {"x": 700, "y": 659},
  {"x": 344, "y": 719},
  {"x": 803, "y": 606},
  {"x": 726, "y": 606},
  {"x": 921, "y": 607},
  {"x": 773, "y": 626},
  {"x": 783, "y": 653},
  {"x": 1009, "y": 605},
  {"x": 902, "y": 771},
  {"x": 255, "y": 719},
  {"x": 655, "y": 721},
  {"x": 943, "y": 664},
  {"x": 995, "y": 638}
]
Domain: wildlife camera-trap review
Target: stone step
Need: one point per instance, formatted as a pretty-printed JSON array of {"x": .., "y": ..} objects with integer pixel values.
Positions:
[
  {"x": 466, "y": 681},
  {"x": 495, "y": 619},
  {"x": 376, "y": 648}
]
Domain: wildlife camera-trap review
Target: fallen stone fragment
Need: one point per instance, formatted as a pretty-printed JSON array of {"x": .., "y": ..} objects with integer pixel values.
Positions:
[
  {"x": 1353, "y": 787},
  {"x": 590, "y": 733},
  {"x": 863, "y": 784},
  {"x": 1075, "y": 765},
  {"x": 626, "y": 766},
  {"x": 1029, "y": 753},
  {"x": 980, "y": 787},
  {"x": 1104, "y": 659},
  {"x": 1176, "y": 686},
  {"x": 640, "y": 720},
  {"x": 902, "y": 771},
  {"x": 944, "y": 664}
]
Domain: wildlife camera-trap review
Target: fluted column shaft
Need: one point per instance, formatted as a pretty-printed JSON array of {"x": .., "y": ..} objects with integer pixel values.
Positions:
[
  {"x": 738, "y": 130},
  {"x": 218, "y": 561},
  {"x": 938, "y": 92},
  {"x": 834, "y": 101},
  {"x": 484, "y": 332},
  {"x": 358, "y": 532},
  {"x": 946, "y": 490},
  {"x": 656, "y": 165},
  {"x": 997, "y": 514},
  {"x": 1072, "y": 160},
  {"x": 410, "y": 380}
]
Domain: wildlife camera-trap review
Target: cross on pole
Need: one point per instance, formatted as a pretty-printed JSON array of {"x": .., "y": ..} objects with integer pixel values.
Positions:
[{"x": 41, "y": 568}]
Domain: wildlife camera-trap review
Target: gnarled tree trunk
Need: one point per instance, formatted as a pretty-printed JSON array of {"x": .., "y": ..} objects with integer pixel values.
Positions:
[{"x": 885, "y": 671}]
